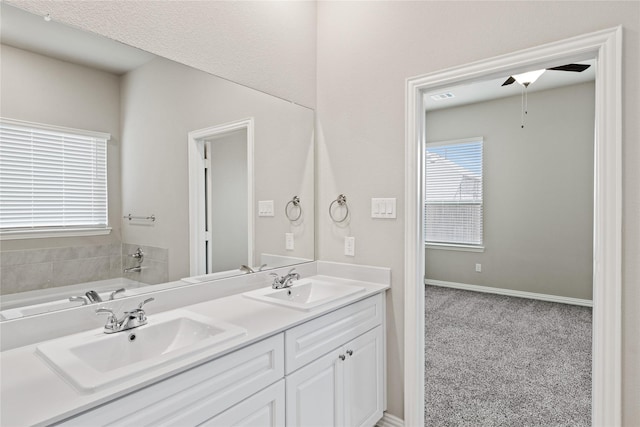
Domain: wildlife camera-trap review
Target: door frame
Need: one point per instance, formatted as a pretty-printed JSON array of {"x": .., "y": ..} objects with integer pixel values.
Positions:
[
  {"x": 197, "y": 164},
  {"x": 606, "y": 47}
]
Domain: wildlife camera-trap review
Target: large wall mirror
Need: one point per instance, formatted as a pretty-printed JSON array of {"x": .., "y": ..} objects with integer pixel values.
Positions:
[{"x": 205, "y": 178}]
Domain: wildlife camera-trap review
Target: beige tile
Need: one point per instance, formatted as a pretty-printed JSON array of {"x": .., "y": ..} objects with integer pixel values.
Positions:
[{"x": 25, "y": 277}]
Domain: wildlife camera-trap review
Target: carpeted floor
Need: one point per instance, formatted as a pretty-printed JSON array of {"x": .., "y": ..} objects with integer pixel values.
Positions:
[{"x": 495, "y": 360}]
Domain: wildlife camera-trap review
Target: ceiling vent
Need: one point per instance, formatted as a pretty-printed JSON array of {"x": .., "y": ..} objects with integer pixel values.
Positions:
[{"x": 441, "y": 96}]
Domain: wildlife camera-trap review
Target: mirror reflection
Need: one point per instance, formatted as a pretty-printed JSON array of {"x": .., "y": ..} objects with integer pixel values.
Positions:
[{"x": 199, "y": 171}]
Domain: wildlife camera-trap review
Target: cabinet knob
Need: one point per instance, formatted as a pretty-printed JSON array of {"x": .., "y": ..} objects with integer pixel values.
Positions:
[
  {"x": 350, "y": 352},
  {"x": 342, "y": 357}
]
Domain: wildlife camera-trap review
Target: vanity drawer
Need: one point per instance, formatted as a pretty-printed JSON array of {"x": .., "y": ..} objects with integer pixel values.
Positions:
[
  {"x": 196, "y": 395},
  {"x": 312, "y": 339}
]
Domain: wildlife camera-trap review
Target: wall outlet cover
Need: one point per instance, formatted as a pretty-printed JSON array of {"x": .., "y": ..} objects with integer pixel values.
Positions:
[
  {"x": 350, "y": 246},
  {"x": 288, "y": 241}
]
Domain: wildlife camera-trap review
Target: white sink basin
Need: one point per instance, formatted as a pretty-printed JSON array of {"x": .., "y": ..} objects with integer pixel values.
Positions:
[
  {"x": 93, "y": 360},
  {"x": 305, "y": 294}
]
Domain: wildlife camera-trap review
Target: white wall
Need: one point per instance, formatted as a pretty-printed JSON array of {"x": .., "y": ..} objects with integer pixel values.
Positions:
[
  {"x": 266, "y": 45},
  {"x": 366, "y": 50},
  {"x": 40, "y": 89},
  {"x": 538, "y": 192}
]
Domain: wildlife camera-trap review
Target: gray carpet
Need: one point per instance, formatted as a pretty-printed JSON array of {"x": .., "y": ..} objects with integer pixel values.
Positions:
[{"x": 494, "y": 360}]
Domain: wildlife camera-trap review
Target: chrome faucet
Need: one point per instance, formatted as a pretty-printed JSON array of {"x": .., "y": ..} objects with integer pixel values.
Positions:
[
  {"x": 284, "y": 281},
  {"x": 138, "y": 255},
  {"x": 246, "y": 269},
  {"x": 93, "y": 296},
  {"x": 81, "y": 299},
  {"x": 113, "y": 294},
  {"x": 130, "y": 319}
]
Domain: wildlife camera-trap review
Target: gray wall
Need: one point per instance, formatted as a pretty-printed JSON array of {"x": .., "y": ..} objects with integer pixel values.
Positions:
[
  {"x": 538, "y": 193},
  {"x": 162, "y": 101},
  {"x": 229, "y": 238}
]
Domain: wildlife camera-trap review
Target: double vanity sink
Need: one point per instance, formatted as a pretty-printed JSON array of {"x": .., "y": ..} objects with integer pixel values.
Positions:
[
  {"x": 92, "y": 360},
  {"x": 187, "y": 351}
]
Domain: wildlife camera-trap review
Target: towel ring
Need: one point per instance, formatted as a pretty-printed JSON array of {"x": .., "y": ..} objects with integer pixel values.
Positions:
[
  {"x": 295, "y": 203},
  {"x": 341, "y": 201}
]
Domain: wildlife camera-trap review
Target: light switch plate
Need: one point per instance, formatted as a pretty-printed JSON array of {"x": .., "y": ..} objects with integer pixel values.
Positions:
[
  {"x": 383, "y": 208},
  {"x": 265, "y": 208}
]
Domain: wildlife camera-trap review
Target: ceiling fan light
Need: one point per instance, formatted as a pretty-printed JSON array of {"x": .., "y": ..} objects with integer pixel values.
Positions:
[{"x": 526, "y": 79}]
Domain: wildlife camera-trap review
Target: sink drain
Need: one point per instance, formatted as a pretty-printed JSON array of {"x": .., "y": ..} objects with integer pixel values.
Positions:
[{"x": 132, "y": 337}]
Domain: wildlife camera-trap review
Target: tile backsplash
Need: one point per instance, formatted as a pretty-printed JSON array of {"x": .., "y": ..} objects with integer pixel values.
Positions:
[{"x": 27, "y": 270}]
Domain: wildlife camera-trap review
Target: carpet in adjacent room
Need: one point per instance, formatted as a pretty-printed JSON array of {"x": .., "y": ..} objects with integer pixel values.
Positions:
[{"x": 494, "y": 360}]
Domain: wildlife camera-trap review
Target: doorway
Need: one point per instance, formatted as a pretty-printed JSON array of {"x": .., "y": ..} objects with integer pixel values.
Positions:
[
  {"x": 221, "y": 197},
  {"x": 509, "y": 222},
  {"x": 605, "y": 46}
]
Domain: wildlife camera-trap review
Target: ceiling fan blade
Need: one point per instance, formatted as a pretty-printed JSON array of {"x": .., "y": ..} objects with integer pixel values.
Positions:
[
  {"x": 509, "y": 81},
  {"x": 578, "y": 68}
]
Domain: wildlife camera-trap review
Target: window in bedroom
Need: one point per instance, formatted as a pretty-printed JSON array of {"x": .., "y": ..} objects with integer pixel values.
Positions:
[
  {"x": 453, "y": 210},
  {"x": 53, "y": 181}
]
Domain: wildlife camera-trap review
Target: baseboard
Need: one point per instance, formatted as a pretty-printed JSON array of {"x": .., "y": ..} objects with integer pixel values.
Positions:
[
  {"x": 389, "y": 420},
  {"x": 509, "y": 292}
]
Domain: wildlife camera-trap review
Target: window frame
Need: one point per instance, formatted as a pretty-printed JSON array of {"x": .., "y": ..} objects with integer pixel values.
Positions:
[
  {"x": 61, "y": 231},
  {"x": 454, "y": 246}
]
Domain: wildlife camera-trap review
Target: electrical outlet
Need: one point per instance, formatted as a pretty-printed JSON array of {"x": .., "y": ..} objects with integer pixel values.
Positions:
[
  {"x": 478, "y": 268},
  {"x": 288, "y": 241},
  {"x": 350, "y": 246}
]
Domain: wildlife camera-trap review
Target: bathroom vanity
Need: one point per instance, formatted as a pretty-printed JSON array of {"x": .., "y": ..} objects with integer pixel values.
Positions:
[{"x": 320, "y": 364}]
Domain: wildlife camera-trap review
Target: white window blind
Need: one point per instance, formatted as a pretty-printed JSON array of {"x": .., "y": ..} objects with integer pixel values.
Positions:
[
  {"x": 453, "y": 192},
  {"x": 51, "y": 178}
]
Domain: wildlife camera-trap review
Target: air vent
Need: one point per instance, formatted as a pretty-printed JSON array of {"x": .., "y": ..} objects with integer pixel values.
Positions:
[{"x": 441, "y": 96}]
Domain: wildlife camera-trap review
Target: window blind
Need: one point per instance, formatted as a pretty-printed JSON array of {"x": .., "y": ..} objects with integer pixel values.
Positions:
[
  {"x": 453, "y": 192},
  {"x": 51, "y": 177}
]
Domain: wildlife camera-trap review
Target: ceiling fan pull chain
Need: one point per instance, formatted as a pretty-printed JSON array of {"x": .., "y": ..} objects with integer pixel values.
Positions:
[{"x": 522, "y": 108}]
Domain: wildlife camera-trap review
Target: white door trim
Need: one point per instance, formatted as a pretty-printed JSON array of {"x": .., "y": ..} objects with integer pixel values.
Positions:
[
  {"x": 196, "y": 189},
  {"x": 606, "y": 47}
]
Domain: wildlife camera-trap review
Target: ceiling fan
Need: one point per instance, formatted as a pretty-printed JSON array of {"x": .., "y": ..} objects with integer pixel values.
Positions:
[{"x": 525, "y": 79}]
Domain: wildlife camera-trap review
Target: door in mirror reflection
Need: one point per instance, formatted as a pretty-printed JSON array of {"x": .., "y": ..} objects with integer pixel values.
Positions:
[
  {"x": 226, "y": 242},
  {"x": 221, "y": 197}
]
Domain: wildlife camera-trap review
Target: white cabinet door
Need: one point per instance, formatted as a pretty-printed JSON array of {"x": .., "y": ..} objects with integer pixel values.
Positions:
[
  {"x": 342, "y": 388},
  {"x": 315, "y": 393},
  {"x": 263, "y": 409},
  {"x": 364, "y": 379}
]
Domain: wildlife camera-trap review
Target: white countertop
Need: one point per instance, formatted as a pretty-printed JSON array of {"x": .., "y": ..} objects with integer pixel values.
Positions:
[{"x": 33, "y": 394}]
